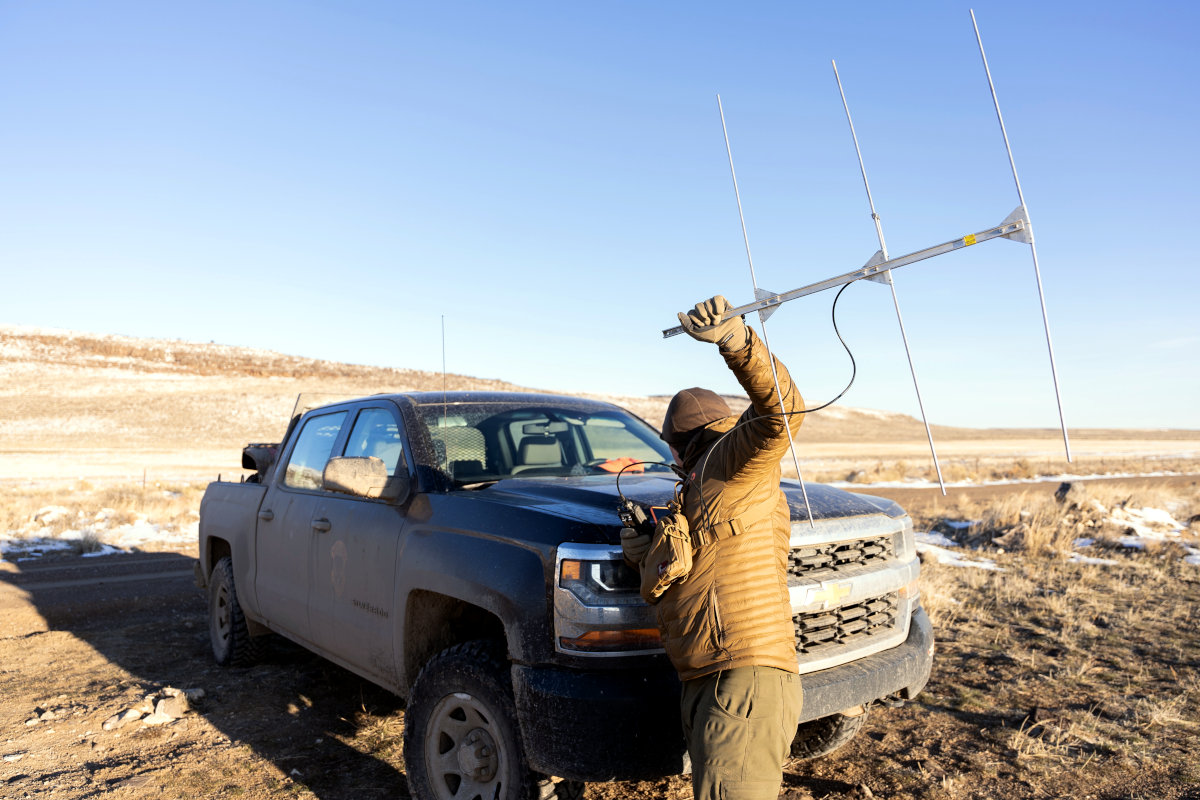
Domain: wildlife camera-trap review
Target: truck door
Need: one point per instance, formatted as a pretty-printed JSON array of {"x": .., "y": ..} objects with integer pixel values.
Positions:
[
  {"x": 285, "y": 526},
  {"x": 354, "y": 547}
]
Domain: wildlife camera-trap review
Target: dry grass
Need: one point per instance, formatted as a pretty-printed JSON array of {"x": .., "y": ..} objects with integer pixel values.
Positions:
[
  {"x": 1079, "y": 668},
  {"x": 88, "y": 515},
  {"x": 1035, "y": 522},
  {"x": 1075, "y": 676}
]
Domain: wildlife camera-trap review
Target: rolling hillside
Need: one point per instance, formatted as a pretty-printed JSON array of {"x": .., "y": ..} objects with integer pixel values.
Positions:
[{"x": 87, "y": 405}]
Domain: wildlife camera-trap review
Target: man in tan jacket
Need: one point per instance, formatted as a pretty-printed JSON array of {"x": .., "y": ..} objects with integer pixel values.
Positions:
[{"x": 727, "y": 624}]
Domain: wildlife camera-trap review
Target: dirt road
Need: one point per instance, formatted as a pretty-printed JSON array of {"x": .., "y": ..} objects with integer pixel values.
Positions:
[{"x": 84, "y": 639}]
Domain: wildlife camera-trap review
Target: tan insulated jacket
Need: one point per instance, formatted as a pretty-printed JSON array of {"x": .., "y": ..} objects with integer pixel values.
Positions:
[{"x": 732, "y": 609}]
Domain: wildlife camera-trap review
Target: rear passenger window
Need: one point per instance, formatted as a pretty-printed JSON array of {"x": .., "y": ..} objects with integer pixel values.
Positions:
[
  {"x": 375, "y": 434},
  {"x": 307, "y": 464}
]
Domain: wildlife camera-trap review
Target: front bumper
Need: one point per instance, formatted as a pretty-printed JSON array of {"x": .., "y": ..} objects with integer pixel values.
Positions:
[
  {"x": 903, "y": 671},
  {"x": 601, "y": 725},
  {"x": 624, "y": 724}
]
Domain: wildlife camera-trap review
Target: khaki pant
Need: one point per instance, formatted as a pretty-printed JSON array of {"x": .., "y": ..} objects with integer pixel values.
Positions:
[{"x": 739, "y": 726}]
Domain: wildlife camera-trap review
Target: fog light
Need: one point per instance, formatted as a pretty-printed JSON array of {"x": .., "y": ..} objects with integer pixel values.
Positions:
[{"x": 634, "y": 639}]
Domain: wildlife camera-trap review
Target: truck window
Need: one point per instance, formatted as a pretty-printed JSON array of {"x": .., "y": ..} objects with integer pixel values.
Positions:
[
  {"x": 482, "y": 442},
  {"x": 375, "y": 434},
  {"x": 312, "y": 451},
  {"x": 609, "y": 437}
]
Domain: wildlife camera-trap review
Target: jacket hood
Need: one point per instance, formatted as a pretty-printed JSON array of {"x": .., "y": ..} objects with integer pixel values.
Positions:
[
  {"x": 703, "y": 439},
  {"x": 689, "y": 411}
]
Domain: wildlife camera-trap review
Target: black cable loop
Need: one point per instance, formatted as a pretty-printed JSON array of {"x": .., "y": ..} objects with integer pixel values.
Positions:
[{"x": 675, "y": 469}]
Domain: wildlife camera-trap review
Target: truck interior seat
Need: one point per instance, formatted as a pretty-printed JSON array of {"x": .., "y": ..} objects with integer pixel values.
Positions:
[
  {"x": 461, "y": 449},
  {"x": 538, "y": 451}
]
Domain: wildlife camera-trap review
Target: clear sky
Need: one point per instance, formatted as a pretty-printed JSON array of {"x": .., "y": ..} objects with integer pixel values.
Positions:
[{"x": 334, "y": 180}]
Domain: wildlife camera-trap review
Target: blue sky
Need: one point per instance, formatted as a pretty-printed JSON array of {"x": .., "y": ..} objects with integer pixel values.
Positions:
[{"x": 333, "y": 179}]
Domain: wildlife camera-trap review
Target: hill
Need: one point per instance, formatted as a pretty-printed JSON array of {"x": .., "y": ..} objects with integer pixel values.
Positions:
[{"x": 90, "y": 405}]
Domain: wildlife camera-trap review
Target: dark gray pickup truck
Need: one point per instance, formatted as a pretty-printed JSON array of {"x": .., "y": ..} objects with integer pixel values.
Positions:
[{"x": 462, "y": 550}]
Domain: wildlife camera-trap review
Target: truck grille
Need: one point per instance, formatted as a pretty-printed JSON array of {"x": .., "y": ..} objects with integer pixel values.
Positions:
[
  {"x": 845, "y": 626},
  {"x": 813, "y": 561}
]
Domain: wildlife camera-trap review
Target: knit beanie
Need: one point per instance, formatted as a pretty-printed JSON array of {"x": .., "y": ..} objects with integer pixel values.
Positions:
[{"x": 690, "y": 410}]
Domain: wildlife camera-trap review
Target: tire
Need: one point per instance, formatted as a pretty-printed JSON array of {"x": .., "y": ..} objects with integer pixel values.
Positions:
[
  {"x": 821, "y": 737},
  {"x": 461, "y": 740},
  {"x": 232, "y": 645}
]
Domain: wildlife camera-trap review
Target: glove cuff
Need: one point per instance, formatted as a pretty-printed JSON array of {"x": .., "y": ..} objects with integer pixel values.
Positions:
[{"x": 737, "y": 339}]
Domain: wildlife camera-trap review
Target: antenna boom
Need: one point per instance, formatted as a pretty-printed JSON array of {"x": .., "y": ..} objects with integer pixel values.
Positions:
[{"x": 1006, "y": 229}]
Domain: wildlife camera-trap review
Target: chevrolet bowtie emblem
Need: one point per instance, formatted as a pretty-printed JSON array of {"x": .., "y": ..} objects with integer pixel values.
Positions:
[{"x": 828, "y": 594}]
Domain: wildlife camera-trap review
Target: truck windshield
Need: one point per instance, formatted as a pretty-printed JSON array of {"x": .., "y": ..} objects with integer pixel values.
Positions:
[{"x": 484, "y": 442}]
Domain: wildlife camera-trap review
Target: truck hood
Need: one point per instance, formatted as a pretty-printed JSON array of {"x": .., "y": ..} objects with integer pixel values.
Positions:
[{"x": 593, "y": 499}]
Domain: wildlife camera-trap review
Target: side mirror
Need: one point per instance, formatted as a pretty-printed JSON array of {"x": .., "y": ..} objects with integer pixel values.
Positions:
[{"x": 363, "y": 477}]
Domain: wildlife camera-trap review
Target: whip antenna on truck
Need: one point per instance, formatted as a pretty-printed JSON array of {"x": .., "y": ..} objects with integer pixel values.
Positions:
[{"x": 1015, "y": 227}]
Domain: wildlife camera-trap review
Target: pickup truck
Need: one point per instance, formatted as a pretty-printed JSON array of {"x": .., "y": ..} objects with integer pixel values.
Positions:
[{"x": 462, "y": 550}]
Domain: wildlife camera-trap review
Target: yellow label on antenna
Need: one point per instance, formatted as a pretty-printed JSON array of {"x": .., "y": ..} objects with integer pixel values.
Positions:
[{"x": 969, "y": 240}]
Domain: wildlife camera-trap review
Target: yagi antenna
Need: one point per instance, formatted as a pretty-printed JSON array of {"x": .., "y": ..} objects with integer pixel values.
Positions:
[{"x": 1015, "y": 227}]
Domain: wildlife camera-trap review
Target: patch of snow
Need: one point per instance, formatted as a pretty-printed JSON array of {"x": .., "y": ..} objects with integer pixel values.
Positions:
[
  {"x": 1075, "y": 558},
  {"x": 1083, "y": 542},
  {"x": 935, "y": 539},
  {"x": 941, "y": 553},
  {"x": 959, "y": 525},
  {"x": 105, "y": 550},
  {"x": 16, "y": 550},
  {"x": 48, "y": 515},
  {"x": 1151, "y": 523}
]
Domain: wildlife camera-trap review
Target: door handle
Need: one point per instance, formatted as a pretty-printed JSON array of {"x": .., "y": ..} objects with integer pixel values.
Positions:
[
  {"x": 321, "y": 525},
  {"x": 266, "y": 515}
]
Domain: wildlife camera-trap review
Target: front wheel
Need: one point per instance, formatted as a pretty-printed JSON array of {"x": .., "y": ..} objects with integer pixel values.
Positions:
[
  {"x": 461, "y": 740},
  {"x": 820, "y": 737}
]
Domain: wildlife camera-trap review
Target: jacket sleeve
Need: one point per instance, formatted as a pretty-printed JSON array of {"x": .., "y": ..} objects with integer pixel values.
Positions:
[{"x": 763, "y": 432}]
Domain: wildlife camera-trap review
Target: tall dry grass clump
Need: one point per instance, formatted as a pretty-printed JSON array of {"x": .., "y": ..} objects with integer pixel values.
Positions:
[{"x": 1036, "y": 523}]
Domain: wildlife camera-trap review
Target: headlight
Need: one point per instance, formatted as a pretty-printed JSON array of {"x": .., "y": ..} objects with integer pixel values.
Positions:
[
  {"x": 598, "y": 608},
  {"x": 599, "y": 583}
]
